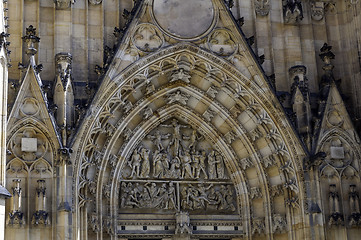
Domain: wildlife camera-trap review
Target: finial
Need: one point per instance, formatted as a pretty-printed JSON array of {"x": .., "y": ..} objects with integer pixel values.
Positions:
[{"x": 30, "y": 38}]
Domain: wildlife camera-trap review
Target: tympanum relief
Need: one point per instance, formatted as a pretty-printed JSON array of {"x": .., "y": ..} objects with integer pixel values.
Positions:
[{"x": 175, "y": 168}]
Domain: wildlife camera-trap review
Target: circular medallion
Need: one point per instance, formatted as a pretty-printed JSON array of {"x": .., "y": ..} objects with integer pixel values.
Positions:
[
  {"x": 335, "y": 118},
  {"x": 185, "y": 19},
  {"x": 30, "y": 107}
]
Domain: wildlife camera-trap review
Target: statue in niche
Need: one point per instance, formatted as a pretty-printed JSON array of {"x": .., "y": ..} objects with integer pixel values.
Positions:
[
  {"x": 157, "y": 138},
  {"x": 176, "y": 136},
  {"x": 354, "y": 200},
  {"x": 135, "y": 163},
  {"x": 146, "y": 163},
  {"x": 334, "y": 205},
  {"x": 186, "y": 170}
]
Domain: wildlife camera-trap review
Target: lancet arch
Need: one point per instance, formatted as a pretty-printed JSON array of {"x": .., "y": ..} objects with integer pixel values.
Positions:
[{"x": 240, "y": 117}]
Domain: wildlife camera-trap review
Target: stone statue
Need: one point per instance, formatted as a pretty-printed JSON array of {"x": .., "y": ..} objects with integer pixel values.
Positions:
[
  {"x": 192, "y": 139},
  {"x": 195, "y": 164},
  {"x": 146, "y": 163},
  {"x": 176, "y": 136},
  {"x": 186, "y": 160},
  {"x": 134, "y": 164},
  {"x": 202, "y": 166},
  {"x": 158, "y": 168},
  {"x": 220, "y": 166},
  {"x": 178, "y": 96},
  {"x": 212, "y": 165},
  {"x": 171, "y": 198},
  {"x": 180, "y": 74},
  {"x": 157, "y": 138},
  {"x": 174, "y": 171}
]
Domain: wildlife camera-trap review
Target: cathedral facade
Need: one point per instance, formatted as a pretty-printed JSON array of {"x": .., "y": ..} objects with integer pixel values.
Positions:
[{"x": 180, "y": 119}]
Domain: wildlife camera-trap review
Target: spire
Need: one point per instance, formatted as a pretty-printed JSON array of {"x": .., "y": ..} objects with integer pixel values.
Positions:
[{"x": 64, "y": 95}]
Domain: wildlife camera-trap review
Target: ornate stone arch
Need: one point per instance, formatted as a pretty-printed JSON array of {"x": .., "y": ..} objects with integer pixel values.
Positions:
[{"x": 243, "y": 113}]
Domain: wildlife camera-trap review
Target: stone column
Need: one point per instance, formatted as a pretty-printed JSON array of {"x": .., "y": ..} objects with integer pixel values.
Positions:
[{"x": 64, "y": 220}]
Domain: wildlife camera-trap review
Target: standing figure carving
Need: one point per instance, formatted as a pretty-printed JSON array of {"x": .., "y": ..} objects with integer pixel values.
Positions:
[
  {"x": 220, "y": 166},
  {"x": 176, "y": 136},
  {"x": 212, "y": 165},
  {"x": 158, "y": 137},
  {"x": 186, "y": 165},
  {"x": 135, "y": 163},
  {"x": 146, "y": 163},
  {"x": 158, "y": 169}
]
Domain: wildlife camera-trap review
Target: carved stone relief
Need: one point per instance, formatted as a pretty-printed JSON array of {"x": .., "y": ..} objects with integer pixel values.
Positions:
[
  {"x": 317, "y": 10},
  {"x": 175, "y": 168},
  {"x": 29, "y": 144},
  {"x": 147, "y": 38},
  {"x": 292, "y": 10},
  {"x": 338, "y": 153},
  {"x": 262, "y": 7},
  {"x": 221, "y": 42},
  {"x": 30, "y": 107}
]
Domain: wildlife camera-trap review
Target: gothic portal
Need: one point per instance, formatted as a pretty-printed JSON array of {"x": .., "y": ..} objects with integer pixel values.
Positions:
[{"x": 179, "y": 133}]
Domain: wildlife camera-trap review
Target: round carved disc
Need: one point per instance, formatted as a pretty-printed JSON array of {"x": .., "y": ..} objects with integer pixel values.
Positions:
[{"x": 184, "y": 18}]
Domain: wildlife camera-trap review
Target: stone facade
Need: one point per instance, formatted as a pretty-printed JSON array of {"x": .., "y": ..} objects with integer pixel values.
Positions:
[{"x": 181, "y": 119}]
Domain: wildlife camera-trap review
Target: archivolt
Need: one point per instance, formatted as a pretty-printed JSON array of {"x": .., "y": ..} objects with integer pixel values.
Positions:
[{"x": 242, "y": 105}]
